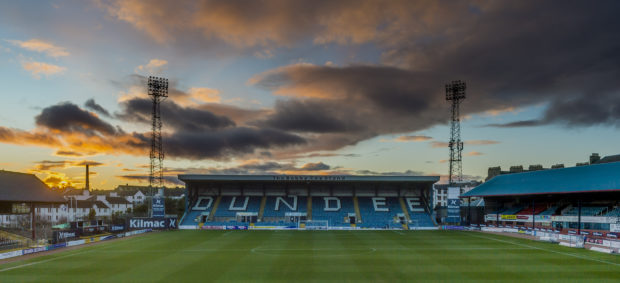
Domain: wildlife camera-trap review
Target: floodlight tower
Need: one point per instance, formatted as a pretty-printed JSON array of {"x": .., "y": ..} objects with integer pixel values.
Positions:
[
  {"x": 158, "y": 91},
  {"x": 455, "y": 92}
]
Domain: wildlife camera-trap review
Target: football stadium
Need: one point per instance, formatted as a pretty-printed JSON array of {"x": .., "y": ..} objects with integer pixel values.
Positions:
[
  {"x": 351, "y": 228},
  {"x": 307, "y": 141}
]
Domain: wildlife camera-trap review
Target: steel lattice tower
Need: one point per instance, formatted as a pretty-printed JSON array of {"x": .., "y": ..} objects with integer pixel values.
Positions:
[
  {"x": 455, "y": 92},
  {"x": 158, "y": 91}
]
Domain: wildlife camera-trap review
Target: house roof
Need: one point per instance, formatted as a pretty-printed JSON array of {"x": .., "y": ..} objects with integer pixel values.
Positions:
[
  {"x": 603, "y": 177},
  {"x": 22, "y": 187},
  {"x": 89, "y": 203},
  {"x": 130, "y": 193},
  {"x": 73, "y": 192},
  {"x": 117, "y": 200}
]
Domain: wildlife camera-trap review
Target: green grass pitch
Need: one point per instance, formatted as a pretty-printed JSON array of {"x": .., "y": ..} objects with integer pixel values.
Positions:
[{"x": 337, "y": 256}]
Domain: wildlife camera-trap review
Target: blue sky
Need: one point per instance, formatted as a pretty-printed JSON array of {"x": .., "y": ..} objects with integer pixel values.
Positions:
[{"x": 307, "y": 87}]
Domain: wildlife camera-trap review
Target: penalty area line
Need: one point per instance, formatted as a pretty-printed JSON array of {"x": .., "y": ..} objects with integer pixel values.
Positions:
[{"x": 547, "y": 250}]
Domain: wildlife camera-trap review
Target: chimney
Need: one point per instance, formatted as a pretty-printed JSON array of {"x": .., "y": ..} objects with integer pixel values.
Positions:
[
  {"x": 516, "y": 169},
  {"x": 87, "y": 179},
  {"x": 536, "y": 167},
  {"x": 594, "y": 158},
  {"x": 493, "y": 171}
]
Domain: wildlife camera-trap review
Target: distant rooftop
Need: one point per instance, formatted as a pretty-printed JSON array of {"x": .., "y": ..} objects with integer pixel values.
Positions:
[{"x": 23, "y": 187}]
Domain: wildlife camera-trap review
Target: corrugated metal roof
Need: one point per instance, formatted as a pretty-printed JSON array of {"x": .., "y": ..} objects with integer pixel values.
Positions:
[
  {"x": 581, "y": 179},
  {"x": 22, "y": 187}
]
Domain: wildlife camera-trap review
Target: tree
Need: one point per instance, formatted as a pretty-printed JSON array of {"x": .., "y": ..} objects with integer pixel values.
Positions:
[
  {"x": 91, "y": 214},
  {"x": 180, "y": 207},
  {"x": 141, "y": 210}
]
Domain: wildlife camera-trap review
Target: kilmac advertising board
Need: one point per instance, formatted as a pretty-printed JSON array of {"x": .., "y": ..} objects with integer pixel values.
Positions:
[{"x": 153, "y": 223}]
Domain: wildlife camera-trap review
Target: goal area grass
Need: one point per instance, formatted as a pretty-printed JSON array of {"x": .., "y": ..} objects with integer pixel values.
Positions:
[{"x": 334, "y": 256}]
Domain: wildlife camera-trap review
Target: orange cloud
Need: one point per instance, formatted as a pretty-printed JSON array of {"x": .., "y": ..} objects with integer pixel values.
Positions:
[
  {"x": 325, "y": 89},
  {"x": 39, "y": 68},
  {"x": 76, "y": 142},
  {"x": 41, "y": 46},
  {"x": 155, "y": 66},
  {"x": 282, "y": 23}
]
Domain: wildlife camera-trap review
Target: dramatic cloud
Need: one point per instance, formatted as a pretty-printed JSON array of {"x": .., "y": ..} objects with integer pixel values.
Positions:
[
  {"x": 68, "y": 128},
  {"x": 308, "y": 116},
  {"x": 227, "y": 143},
  {"x": 240, "y": 115},
  {"x": 40, "y": 68},
  {"x": 512, "y": 54},
  {"x": 69, "y": 117},
  {"x": 175, "y": 117},
  {"x": 41, "y": 46},
  {"x": 578, "y": 112},
  {"x": 92, "y": 105},
  {"x": 276, "y": 23},
  {"x": 424, "y": 44},
  {"x": 351, "y": 104},
  {"x": 196, "y": 134}
]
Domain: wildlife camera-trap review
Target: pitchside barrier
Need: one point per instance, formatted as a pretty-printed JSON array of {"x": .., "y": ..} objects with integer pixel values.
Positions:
[
  {"x": 258, "y": 227},
  {"x": 592, "y": 242},
  {"x": 69, "y": 244}
]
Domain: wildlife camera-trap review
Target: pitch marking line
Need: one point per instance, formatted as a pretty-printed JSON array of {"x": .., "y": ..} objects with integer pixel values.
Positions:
[
  {"x": 41, "y": 261},
  {"x": 547, "y": 250}
]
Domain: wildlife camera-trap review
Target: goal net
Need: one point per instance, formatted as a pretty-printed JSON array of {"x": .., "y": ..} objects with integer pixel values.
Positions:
[{"x": 314, "y": 224}]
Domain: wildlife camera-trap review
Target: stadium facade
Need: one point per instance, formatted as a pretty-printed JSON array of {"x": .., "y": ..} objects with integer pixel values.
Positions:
[
  {"x": 582, "y": 201},
  {"x": 308, "y": 201}
]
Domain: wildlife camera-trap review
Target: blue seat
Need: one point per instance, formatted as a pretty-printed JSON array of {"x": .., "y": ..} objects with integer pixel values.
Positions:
[{"x": 334, "y": 218}]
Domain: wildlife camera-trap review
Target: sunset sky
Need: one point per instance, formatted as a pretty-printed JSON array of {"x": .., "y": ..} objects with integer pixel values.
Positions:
[{"x": 304, "y": 87}]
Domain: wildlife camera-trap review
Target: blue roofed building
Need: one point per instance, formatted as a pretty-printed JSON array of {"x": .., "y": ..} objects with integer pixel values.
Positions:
[{"x": 577, "y": 200}]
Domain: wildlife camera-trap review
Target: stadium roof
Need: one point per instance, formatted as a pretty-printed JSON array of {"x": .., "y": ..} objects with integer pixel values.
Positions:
[
  {"x": 308, "y": 178},
  {"x": 22, "y": 187},
  {"x": 581, "y": 179}
]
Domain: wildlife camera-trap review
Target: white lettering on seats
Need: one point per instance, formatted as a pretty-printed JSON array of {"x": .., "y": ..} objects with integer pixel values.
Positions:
[
  {"x": 233, "y": 207},
  {"x": 204, "y": 207},
  {"x": 327, "y": 207},
  {"x": 376, "y": 202},
  {"x": 411, "y": 202},
  {"x": 291, "y": 207}
]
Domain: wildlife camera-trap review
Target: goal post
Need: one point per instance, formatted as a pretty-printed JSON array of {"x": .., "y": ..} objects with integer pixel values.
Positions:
[{"x": 313, "y": 224}]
